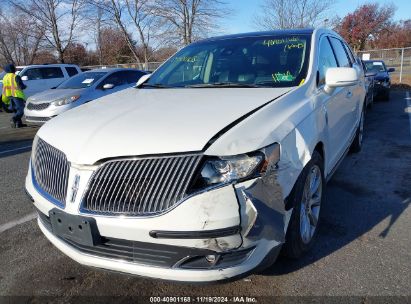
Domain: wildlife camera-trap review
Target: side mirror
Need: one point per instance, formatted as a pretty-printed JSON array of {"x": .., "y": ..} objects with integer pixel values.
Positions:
[
  {"x": 143, "y": 79},
  {"x": 390, "y": 70},
  {"x": 24, "y": 78},
  {"x": 108, "y": 86},
  {"x": 340, "y": 77}
]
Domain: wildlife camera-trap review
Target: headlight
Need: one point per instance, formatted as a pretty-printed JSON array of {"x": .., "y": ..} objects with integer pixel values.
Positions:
[
  {"x": 66, "y": 100},
  {"x": 231, "y": 169}
]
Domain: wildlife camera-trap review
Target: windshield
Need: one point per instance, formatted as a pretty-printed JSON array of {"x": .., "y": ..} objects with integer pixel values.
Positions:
[
  {"x": 269, "y": 61},
  {"x": 375, "y": 66},
  {"x": 82, "y": 80}
]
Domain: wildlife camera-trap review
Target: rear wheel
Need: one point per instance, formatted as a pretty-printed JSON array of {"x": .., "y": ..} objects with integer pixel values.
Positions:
[
  {"x": 307, "y": 198},
  {"x": 387, "y": 95},
  {"x": 357, "y": 143}
]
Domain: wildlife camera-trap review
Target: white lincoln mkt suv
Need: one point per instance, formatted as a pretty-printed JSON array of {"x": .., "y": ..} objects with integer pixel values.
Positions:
[{"x": 208, "y": 167}]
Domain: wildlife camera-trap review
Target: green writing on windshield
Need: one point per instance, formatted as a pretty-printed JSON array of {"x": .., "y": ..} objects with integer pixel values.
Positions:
[
  {"x": 283, "y": 77},
  {"x": 186, "y": 59},
  {"x": 273, "y": 42}
]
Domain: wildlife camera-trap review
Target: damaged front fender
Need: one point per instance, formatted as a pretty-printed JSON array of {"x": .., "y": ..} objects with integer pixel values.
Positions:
[{"x": 262, "y": 206}]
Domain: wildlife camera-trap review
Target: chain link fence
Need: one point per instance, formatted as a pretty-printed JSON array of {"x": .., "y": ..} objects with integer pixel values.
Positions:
[
  {"x": 398, "y": 58},
  {"x": 150, "y": 66}
]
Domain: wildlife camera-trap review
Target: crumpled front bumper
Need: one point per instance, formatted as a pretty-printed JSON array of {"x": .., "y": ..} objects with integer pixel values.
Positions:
[{"x": 256, "y": 207}]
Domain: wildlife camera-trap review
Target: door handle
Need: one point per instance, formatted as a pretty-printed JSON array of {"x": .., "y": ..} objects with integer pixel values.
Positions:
[{"x": 349, "y": 94}]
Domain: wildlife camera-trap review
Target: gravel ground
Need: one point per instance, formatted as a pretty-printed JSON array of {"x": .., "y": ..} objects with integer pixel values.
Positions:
[{"x": 362, "y": 255}]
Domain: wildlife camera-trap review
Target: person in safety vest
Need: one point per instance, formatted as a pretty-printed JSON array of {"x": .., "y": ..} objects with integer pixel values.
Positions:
[{"x": 13, "y": 93}]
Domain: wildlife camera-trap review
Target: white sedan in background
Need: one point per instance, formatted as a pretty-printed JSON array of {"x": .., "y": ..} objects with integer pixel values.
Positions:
[{"x": 78, "y": 90}]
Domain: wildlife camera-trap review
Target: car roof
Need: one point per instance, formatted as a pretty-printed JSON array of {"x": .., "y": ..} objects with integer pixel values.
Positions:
[
  {"x": 50, "y": 65},
  {"x": 114, "y": 70},
  {"x": 306, "y": 31}
]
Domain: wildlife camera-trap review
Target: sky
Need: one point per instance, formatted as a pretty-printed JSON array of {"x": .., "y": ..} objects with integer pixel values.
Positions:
[{"x": 241, "y": 20}]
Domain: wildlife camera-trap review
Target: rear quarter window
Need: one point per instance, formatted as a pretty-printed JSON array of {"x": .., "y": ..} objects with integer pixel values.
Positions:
[{"x": 71, "y": 71}]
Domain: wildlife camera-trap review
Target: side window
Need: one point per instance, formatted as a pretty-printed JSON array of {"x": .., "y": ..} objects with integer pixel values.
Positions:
[
  {"x": 71, "y": 71},
  {"x": 350, "y": 54},
  {"x": 33, "y": 74},
  {"x": 340, "y": 53},
  {"x": 326, "y": 60},
  {"x": 117, "y": 79},
  {"x": 49, "y": 73},
  {"x": 132, "y": 76}
]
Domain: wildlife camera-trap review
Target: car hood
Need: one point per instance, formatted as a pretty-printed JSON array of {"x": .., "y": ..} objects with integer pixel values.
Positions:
[
  {"x": 54, "y": 94},
  {"x": 150, "y": 121}
]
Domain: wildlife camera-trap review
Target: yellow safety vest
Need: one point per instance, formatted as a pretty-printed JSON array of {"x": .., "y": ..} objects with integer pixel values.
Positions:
[{"x": 10, "y": 87}]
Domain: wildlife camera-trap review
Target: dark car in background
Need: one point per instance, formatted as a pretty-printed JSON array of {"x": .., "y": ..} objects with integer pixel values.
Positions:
[
  {"x": 369, "y": 82},
  {"x": 382, "y": 79}
]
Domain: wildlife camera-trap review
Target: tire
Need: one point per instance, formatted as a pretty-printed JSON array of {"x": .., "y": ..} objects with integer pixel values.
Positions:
[
  {"x": 299, "y": 239},
  {"x": 371, "y": 104},
  {"x": 357, "y": 143},
  {"x": 387, "y": 95}
]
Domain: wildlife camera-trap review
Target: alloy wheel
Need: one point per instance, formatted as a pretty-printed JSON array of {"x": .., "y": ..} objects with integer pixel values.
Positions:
[{"x": 311, "y": 204}]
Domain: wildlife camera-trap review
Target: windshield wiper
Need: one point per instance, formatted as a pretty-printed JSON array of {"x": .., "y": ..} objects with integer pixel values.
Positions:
[
  {"x": 155, "y": 85},
  {"x": 223, "y": 85}
]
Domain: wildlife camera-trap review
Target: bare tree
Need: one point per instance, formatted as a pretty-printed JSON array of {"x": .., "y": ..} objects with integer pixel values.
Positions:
[
  {"x": 20, "y": 39},
  {"x": 115, "y": 9},
  {"x": 190, "y": 20},
  {"x": 134, "y": 16},
  {"x": 282, "y": 14},
  {"x": 146, "y": 22},
  {"x": 58, "y": 18}
]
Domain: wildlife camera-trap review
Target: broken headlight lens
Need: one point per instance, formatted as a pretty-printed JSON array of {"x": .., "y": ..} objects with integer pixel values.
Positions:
[{"x": 230, "y": 169}]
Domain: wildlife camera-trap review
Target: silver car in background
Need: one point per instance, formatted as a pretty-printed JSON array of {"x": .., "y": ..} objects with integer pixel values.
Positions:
[{"x": 78, "y": 90}]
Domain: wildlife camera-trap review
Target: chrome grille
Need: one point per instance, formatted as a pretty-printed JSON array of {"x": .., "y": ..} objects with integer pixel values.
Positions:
[
  {"x": 51, "y": 171},
  {"x": 140, "y": 186},
  {"x": 37, "y": 106}
]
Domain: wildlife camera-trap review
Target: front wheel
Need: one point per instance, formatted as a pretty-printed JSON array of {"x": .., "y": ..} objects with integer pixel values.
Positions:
[{"x": 307, "y": 198}]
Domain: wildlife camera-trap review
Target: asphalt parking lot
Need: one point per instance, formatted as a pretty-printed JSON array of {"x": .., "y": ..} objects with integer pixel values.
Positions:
[{"x": 363, "y": 250}]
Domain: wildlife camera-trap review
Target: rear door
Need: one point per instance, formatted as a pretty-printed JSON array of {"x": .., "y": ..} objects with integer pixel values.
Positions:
[{"x": 53, "y": 76}]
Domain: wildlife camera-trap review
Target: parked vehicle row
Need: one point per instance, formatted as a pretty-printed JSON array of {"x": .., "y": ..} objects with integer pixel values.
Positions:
[
  {"x": 55, "y": 88},
  {"x": 210, "y": 166}
]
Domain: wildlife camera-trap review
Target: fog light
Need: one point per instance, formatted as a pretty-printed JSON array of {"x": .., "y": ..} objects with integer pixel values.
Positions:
[{"x": 211, "y": 258}]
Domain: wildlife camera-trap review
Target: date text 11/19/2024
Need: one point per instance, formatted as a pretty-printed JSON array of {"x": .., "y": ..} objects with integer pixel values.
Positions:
[{"x": 203, "y": 299}]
